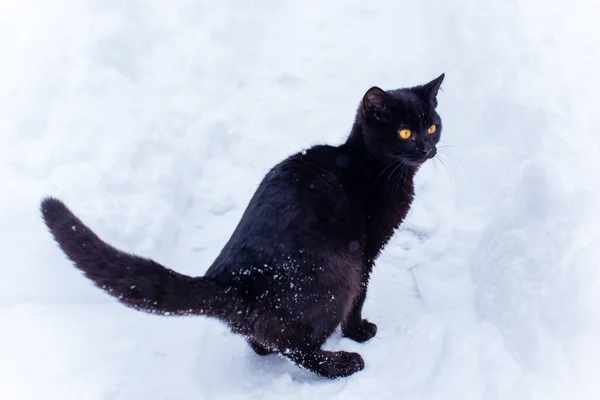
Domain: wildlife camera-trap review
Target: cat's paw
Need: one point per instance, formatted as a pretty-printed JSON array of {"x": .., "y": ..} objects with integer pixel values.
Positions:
[
  {"x": 360, "y": 332},
  {"x": 340, "y": 364},
  {"x": 330, "y": 364}
]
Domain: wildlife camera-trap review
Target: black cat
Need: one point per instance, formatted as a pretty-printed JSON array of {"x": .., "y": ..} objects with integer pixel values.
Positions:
[{"x": 298, "y": 263}]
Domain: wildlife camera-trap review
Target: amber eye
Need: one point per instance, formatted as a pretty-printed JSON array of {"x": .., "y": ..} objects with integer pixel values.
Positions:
[
  {"x": 404, "y": 133},
  {"x": 431, "y": 129}
]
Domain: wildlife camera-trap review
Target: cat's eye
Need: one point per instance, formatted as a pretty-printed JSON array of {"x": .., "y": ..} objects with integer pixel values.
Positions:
[
  {"x": 431, "y": 129},
  {"x": 404, "y": 133}
]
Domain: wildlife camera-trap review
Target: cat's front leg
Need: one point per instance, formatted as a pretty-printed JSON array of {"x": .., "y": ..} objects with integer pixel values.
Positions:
[{"x": 354, "y": 326}]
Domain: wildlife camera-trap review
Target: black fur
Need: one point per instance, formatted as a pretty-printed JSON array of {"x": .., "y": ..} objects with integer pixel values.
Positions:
[{"x": 299, "y": 261}]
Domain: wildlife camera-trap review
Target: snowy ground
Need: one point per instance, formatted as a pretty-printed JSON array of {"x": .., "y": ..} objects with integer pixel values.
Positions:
[{"x": 156, "y": 120}]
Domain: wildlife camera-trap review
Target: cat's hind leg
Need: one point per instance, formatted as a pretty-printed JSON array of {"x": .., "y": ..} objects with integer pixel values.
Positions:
[
  {"x": 301, "y": 344},
  {"x": 301, "y": 349},
  {"x": 298, "y": 331},
  {"x": 259, "y": 348}
]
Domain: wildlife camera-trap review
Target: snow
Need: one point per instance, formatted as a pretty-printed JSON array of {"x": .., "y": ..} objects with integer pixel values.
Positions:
[{"x": 154, "y": 121}]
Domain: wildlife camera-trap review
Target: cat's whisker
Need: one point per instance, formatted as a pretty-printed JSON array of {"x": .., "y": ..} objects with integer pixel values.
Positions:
[
  {"x": 399, "y": 164},
  {"x": 403, "y": 173},
  {"x": 453, "y": 157},
  {"x": 395, "y": 164},
  {"x": 439, "y": 158},
  {"x": 387, "y": 166},
  {"x": 445, "y": 150},
  {"x": 405, "y": 177}
]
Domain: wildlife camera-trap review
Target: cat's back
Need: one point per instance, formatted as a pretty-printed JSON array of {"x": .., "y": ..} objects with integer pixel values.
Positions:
[
  {"x": 301, "y": 208},
  {"x": 308, "y": 186},
  {"x": 304, "y": 191}
]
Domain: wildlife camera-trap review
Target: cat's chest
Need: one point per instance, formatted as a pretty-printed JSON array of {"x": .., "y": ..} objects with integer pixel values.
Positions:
[{"x": 385, "y": 213}]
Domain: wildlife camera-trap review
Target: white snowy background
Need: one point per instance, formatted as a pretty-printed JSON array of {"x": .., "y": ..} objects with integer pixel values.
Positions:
[{"x": 155, "y": 120}]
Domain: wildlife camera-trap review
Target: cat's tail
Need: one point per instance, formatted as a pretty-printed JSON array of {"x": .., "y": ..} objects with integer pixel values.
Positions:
[{"x": 137, "y": 282}]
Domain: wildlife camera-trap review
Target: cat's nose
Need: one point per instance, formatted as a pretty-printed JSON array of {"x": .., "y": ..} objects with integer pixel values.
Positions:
[{"x": 428, "y": 151}]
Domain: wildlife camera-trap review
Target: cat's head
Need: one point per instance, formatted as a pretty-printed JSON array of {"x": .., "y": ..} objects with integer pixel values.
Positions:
[{"x": 402, "y": 123}]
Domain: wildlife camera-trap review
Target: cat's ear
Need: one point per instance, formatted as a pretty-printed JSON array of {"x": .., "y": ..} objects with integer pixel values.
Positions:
[
  {"x": 377, "y": 104},
  {"x": 430, "y": 90}
]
